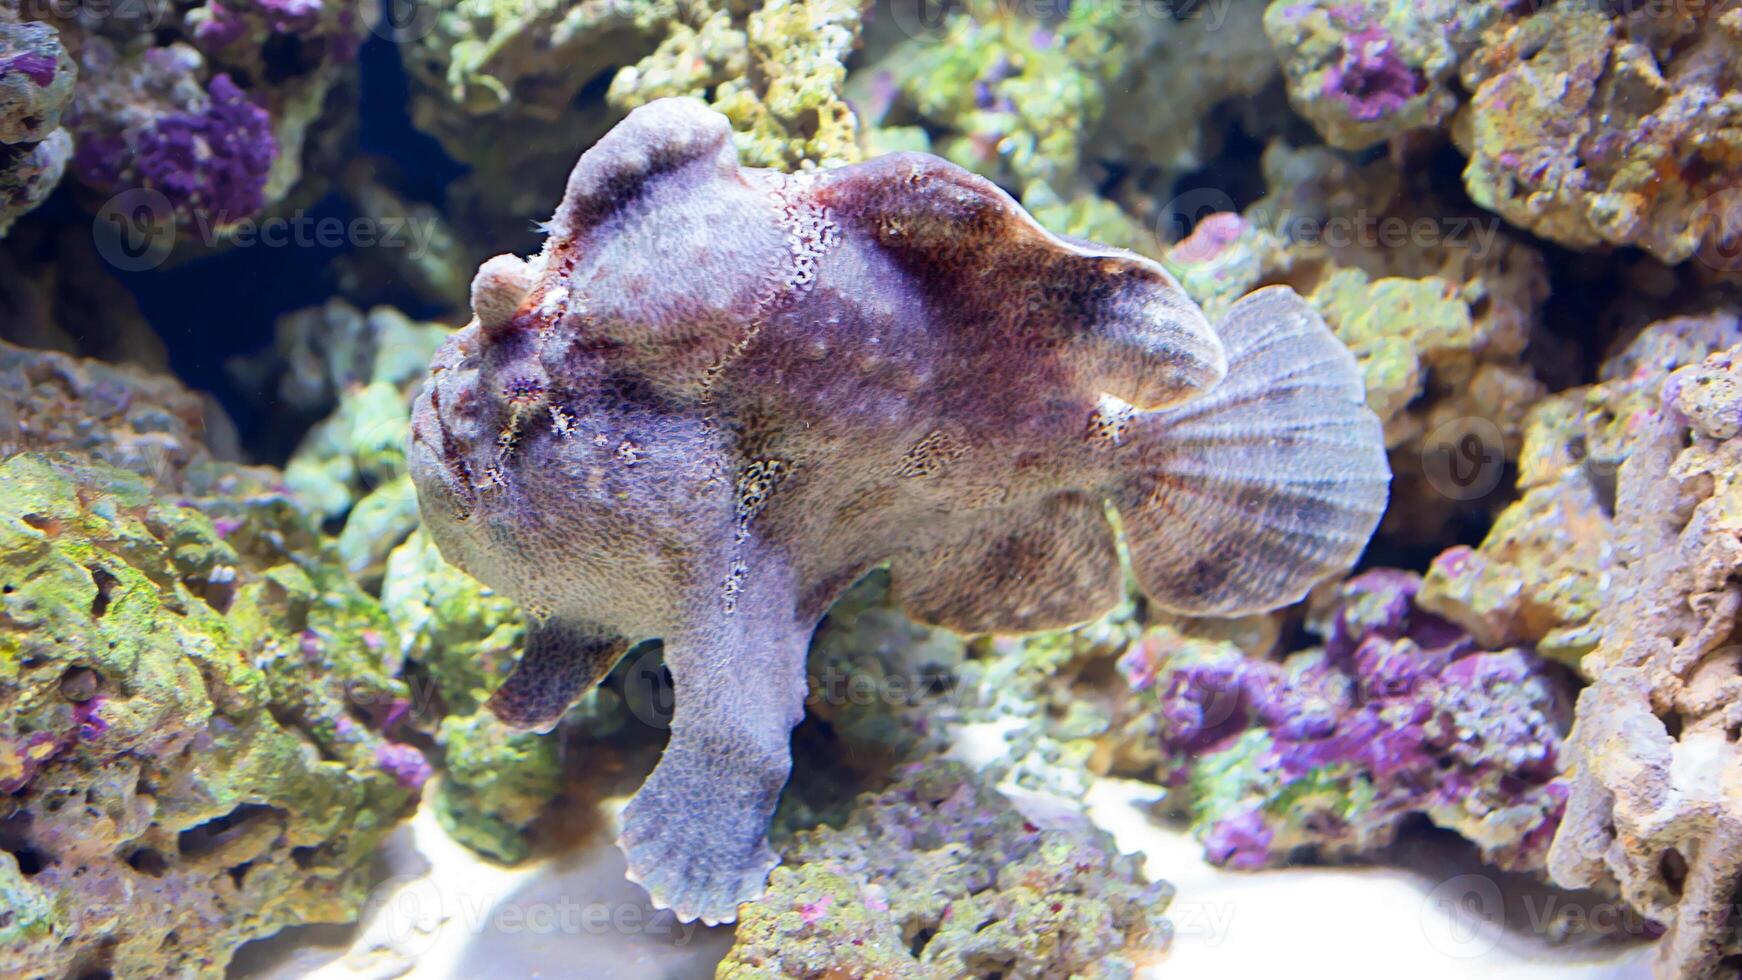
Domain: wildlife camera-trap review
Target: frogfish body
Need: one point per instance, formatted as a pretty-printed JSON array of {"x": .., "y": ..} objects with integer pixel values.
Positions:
[{"x": 719, "y": 395}]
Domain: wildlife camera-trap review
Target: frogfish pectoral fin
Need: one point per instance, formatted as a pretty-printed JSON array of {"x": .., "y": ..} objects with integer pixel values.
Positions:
[{"x": 561, "y": 662}]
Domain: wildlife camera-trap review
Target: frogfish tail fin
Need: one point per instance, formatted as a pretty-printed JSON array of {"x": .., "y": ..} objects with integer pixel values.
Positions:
[{"x": 1252, "y": 493}]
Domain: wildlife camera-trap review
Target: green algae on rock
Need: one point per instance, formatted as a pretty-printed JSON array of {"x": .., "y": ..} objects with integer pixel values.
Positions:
[
  {"x": 492, "y": 76},
  {"x": 350, "y": 466},
  {"x": 460, "y": 639},
  {"x": 181, "y": 778},
  {"x": 941, "y": 875},
  {"x": 194, "y": 690},
  {"x": 777, "y": 72},
  {"x": 1009, "y": 97}
]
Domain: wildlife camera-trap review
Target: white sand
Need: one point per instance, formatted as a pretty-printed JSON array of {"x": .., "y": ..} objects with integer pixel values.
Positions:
[{"x": 443, "y": 913}]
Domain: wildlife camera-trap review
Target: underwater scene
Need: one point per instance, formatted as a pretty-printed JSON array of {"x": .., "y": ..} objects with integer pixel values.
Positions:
[{"x": 840, "y": 489}]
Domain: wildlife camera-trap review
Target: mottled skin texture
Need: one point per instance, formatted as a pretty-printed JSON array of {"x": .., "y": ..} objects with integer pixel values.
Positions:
[{"x": 720, "y": 395}]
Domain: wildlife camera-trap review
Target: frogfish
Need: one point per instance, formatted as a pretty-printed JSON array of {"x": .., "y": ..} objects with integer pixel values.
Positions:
[{"x": 719, "y": 395}]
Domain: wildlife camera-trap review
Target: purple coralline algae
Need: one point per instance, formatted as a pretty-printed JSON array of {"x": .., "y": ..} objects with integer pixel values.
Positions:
[
  {"x": 215, "y": 160},
  {"x": 729, "y": 438},
  {"x": 36, "y": 82},
  {"x": 406, "y": 764},
  {"x": 940, "y": 875},
  {"x": 210, "y": 159},
  {"x": 39, "y": 68},
  {"x": 1328, "y": 752},
  {"x": 219, "y": 107},
  {"x": 1363, "y": 71}
]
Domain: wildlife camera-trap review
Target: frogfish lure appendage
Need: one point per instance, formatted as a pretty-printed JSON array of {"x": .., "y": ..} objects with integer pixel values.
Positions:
[{"x": 719, "y": 395}]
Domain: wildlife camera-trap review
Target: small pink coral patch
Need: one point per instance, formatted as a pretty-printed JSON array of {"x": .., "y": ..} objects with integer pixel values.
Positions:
[
  {"x": 1210, "y": 238},
  {"x": 813, "y": 912}
]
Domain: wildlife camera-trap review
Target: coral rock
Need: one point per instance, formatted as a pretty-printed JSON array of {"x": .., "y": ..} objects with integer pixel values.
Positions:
[
  {"x": 192, "y": 690},
  {"x": 460, "y": 640},
  {"x": 217, "y": 105},
  {"x": 1598, "y": 125},
  {"x": 1546, "y": 566},
  {"x": 181, "y": 756},
  {"x": 1364, "y": 71},
  {"x": 36, "y": 83},
  {"x": 1655, "y": 809},
  {"x": 940, "y": 875},
  {"x": 143, "y": 423}
]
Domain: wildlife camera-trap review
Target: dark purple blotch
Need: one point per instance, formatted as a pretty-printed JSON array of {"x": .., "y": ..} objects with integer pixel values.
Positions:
[{"x": 38, "y": 67}]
